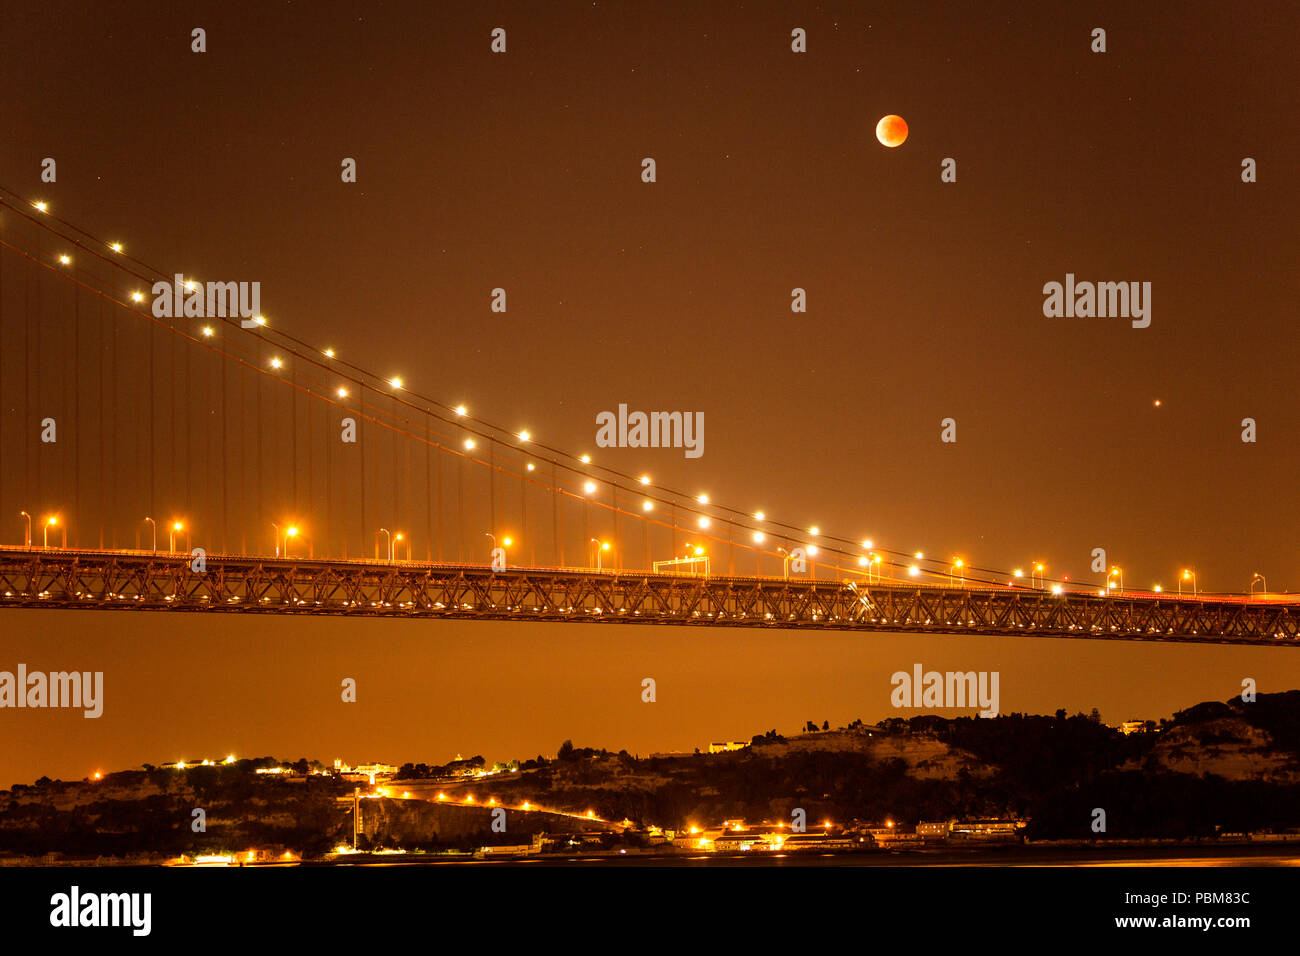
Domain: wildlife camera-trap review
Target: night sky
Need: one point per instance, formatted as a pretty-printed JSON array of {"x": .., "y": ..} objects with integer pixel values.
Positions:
[{"x": 925, "y": 298}]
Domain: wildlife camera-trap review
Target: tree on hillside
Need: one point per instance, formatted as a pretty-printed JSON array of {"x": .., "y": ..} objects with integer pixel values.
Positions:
[{"x": 565, "y": 752}]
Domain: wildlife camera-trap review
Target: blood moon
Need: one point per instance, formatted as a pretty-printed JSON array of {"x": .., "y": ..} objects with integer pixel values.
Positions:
[{"x": 891, "y": 130}]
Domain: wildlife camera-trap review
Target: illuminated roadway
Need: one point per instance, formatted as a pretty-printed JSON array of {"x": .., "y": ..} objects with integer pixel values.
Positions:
[{"x": 142, "y": 580}]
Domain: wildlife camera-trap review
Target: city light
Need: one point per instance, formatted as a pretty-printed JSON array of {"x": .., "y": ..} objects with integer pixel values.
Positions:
[
  {"x": 759, "y": 516},
  {"x": 462, "y": 411},
  {"x": 395, "y": 382},
  {"x": 645, "y": 479},
  {"x": 65, "y": 260},
  {"x": 585, "y": 459},
  {"x": 115, "y": 246},
  {"x": 647, "y": 505},
  {"x": 137, "y": 296},
  {"x": 703, "y": 499},
  {"x": 759, "y": 537},
  {"x": 703, "y": 523},
  {"x": 469, "y": 444},
  {"x": 341, "y": 392},
  {"x": 41, "y": 206},
  {"x": 329, "y": 353},
  {"x": 207, "y": 331},
  {"x": 275, "y": 363},
  {"x": 589, "y": 487},
  {"x": 914, "y": 570},
  {"x": 524, "y": 436}
]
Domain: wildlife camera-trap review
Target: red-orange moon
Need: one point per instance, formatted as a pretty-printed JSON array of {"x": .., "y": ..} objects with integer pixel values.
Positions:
[{"x": 891, "y": 130}]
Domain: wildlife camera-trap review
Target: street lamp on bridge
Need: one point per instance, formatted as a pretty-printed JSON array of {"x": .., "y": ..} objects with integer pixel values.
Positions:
[
  {"x": 27, "y": 539},
  {"x": 1187, "y": 575},
  {"x": 171, "y": 543},
  {"x": 290, "y": 532},
  {"x": 506, "y": 541},
  {"x": 153, "y": 534},
  {"x": 960, "y": 567},
  {"x": 50, "y": 522},
  {"x": 1116, "y": 573},
  {"x": 1260, "y": 578},
  {"x": 388, "y": 544},
  {"x": 785, "y": 568},
  {"x": 601, "y": 547}
]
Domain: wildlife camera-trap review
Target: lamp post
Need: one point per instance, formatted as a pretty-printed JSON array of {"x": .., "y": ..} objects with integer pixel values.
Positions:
[
  {"x": 601, "y": 547},
  {"x": 289, "y": 533},
  {"x": 1260, "y": 578},
  {"x": 960, "y": 567},
  {"x": 388, "y": 543},
  {"x": 1187, "y": 575},
  {"x": 27, "y": 539},
  {"x": 785, "y": 567},
  {"x": 1037, "y": 574},
  {"x": 171, "y": 543},
  {"x": 153, "y": 535},
  {"x": 276, "y": 528},
  {"x": 1119, "y": 573},
  {"x": 49, "y": 523}
]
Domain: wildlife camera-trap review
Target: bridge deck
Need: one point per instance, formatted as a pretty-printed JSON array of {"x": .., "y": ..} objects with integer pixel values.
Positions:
[{"x": 133, "y": 580}]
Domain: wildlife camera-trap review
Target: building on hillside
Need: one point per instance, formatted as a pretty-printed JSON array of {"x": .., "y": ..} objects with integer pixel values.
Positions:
[
  {"x": 728, "y": 745},
  {"x": 744, "y": 840},
  {"x": 934, "y": 830},
  {"x": 992, "y": 831}
]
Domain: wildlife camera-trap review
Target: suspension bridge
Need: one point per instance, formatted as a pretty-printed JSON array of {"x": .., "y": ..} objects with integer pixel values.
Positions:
[{"x": 221, "y": 463}]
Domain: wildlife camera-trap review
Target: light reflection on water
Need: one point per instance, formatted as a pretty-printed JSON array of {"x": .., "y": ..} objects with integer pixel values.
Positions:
[{"x": 1021, "y": 859}]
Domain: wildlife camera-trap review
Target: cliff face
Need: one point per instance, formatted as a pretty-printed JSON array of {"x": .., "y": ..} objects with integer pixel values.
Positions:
[{"x": 1228, "y": 747}]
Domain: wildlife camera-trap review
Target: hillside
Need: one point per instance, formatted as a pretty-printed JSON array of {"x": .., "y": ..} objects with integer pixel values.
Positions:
[{"x": 1216, "y": 767}]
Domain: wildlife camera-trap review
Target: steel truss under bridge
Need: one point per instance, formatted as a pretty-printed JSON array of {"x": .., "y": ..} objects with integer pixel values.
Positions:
[{"x": 145, "y": 581}]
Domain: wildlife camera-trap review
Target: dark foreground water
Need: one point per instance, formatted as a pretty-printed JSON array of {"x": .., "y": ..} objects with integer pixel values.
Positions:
[{"x": 1007, "y": 856}]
